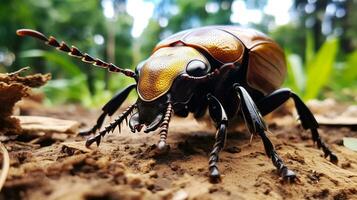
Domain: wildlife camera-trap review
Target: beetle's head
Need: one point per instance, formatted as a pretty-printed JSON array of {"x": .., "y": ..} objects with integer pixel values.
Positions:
[{"x": 169, "y": 76}]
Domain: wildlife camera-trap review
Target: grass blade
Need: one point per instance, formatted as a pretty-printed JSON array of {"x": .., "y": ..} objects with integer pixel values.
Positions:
[{"x": 320, "y": 68}]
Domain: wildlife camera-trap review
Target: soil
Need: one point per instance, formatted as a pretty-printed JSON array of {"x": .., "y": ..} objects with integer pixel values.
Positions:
[{"x": 127, "y": 166}]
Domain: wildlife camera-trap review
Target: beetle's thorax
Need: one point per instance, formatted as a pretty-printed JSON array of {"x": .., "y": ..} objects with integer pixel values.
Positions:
[{"x": 162, "y": 68}]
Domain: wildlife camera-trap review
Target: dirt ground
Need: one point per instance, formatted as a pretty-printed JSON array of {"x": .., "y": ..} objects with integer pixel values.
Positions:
[{"x": 125, "y": 166}]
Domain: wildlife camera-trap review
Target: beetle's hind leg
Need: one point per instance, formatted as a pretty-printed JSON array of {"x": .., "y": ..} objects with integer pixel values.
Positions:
[
  {"x": 219, "y": 116},
  {"x": 256, "y": 124},
  {"x": 109, "y": 109},
  {"x": 308, "y": 121}
]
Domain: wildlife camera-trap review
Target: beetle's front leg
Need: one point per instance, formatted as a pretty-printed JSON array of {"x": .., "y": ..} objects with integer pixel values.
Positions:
[
  {"x": 219, "y": 116},
  {"x": 164, "y": 128},
  {"x": 109, "y": 109},
  {"x": 111, "y": 126},
  {"x": 255, "y": 124}
]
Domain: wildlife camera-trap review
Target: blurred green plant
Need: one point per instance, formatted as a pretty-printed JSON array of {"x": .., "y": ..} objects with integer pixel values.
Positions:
[
  {"x": 344, "y": 81},
  {"x": 75, "y": 89},
  {"x": 310, "y": 81}
]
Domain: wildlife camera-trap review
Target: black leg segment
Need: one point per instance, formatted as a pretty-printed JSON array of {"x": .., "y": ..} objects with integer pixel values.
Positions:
[
  {"x": 256, "y": 125},
  {"x": 110, "y": 108},
  {"x": 308, "y": 121},
  {"x": 219, "y": 116},
  {"x": 111, "y": 126}
]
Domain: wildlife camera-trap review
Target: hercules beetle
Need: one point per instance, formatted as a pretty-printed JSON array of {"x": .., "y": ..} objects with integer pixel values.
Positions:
[{"x": 227, "y": 69}]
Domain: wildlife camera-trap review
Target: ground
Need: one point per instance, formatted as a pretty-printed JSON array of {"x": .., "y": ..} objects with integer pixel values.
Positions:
[{"x": 125, "y": 165}]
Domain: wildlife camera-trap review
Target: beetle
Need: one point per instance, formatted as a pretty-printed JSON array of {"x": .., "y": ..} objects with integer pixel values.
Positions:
[{"x": 228, "y": 70}]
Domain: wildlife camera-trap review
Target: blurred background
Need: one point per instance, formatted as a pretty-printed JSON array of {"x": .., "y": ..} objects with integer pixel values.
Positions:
[{"x": 318, "y": 36}]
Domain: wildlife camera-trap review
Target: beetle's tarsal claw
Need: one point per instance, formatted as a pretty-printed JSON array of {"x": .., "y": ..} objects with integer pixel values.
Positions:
[
  {"x": 90, "y": 141},
  {"x": 333, "y": 158},
  {"x": 163, "y": 147},
  {"x": 98, "y": 139},
  {"x": 214, "y": 175},
  {"x": 288, "y": 175}
]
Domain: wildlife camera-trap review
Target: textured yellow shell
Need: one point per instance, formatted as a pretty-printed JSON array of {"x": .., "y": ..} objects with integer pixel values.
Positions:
[
  {"x": 160, "y": 70},
  {"x": 222, "y": 46},
  {"x": 267, "y": 66}
]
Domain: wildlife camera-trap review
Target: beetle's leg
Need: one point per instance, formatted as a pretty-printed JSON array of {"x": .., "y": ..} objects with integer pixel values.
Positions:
[
  {"x": 111, "y": 126},
  {"x": 164, "y": 127},
  {"x": 109, "y": 109},
  {"x": 255, "y": 124},
  {"x": 218, "y": 115},
  {"x": 308, "y": 121}
]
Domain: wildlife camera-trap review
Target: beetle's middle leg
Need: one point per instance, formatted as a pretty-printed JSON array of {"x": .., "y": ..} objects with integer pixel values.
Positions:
[
  {"x": 308, "y": 121},
  {"x": 256, "y": 124},
  {"x": 219, "y": 116}
]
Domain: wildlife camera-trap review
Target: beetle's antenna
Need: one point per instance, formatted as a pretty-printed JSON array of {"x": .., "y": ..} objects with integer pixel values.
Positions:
[{"x": 74, "y": 52}]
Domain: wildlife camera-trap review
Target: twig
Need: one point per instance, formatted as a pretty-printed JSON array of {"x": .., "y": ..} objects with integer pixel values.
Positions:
[
  {"x": 18, "y": 71},
  {"x": 5, "y": 165}
]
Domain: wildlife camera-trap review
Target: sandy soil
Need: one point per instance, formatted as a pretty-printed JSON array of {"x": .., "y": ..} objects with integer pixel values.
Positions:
[{"x": 125, "y": 166}]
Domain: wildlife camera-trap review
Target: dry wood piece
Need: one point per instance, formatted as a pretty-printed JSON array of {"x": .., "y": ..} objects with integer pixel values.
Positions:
[
  {"x": 75, "y": 146},
  {"x": 47, "y": 124},
  {"x": 5, "y": 165},
  {"x": 12, "y": 88},
  {"x": 336, "y": 121},
  {"x": 350, "y": 143}
]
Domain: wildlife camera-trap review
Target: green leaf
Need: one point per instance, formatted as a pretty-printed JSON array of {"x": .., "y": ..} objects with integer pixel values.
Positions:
[
  {"x": 64, "y": 90},
  {"x": 350, "y": 68},
  {"x": 55, "y": 57},
  {"x": 320, "y": 68},
  {"x": 350, "y": 142},
  {"x": 296, "y": 73}
]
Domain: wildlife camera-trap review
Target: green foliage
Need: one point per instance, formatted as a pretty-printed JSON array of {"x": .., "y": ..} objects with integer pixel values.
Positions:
[
  {"x": 55, "y": 59},
  {"x": 344, "y": 80},
  {"x": 296, "y": 76},
  {"x": 319, "y": 67},
  {"x": 75, "y": 89},
  {"x": 350, "y": 69}
]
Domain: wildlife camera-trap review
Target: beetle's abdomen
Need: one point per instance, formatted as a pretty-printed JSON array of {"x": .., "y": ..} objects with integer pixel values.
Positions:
[{"x": 266, "y": 68}]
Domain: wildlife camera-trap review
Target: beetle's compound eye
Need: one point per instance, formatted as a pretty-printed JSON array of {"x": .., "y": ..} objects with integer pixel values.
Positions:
[
  {"x": 197, "y": 68},
  {"x": 139, "y": 66}
]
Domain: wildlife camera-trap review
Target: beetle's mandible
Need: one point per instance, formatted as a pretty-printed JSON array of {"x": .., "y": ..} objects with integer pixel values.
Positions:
[{"x": 228, "y": 70}]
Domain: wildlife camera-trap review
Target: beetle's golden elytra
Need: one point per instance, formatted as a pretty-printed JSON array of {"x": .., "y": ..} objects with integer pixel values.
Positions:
[{"x": 228, "y": 70}]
